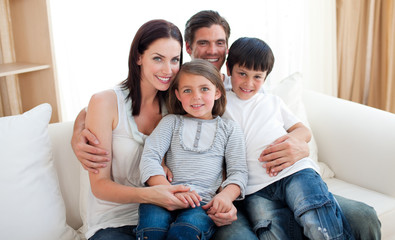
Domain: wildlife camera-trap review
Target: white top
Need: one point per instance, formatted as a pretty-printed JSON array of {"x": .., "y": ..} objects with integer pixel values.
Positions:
[
  {"x": 127, "y": 146},
  {"x": 227, "y": 83},
  {"x": 263, "y": 118},
  {"x": 195, "y": 151}
]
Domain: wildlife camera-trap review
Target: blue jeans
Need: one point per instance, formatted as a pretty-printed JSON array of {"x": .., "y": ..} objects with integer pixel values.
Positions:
[
  {"x": 362, "y": 218},
  {"x": 158, "y": 223},
  {"x": 239, "y": 229},
  {"x": 119, "y": 233},
  {"x": 307, "y": 196}
]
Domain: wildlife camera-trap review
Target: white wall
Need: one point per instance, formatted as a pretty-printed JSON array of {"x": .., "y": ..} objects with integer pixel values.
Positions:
[{"x": 92, "y": 39}]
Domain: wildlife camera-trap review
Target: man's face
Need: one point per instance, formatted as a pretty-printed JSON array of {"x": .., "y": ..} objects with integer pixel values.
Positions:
[{"x": 209, "y": 44}]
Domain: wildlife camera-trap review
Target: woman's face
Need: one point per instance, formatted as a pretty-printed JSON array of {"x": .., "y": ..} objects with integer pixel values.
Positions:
[{"x": 160, "y": 63}]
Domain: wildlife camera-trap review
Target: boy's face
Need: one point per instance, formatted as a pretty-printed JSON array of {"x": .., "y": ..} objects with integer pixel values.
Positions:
[
  {"x": 246, "y": 82},
  {"x": 209, "y": 44}
]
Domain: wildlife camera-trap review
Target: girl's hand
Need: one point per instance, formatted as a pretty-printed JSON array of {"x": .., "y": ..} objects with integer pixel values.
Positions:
[
  {"x": 165, "y": 196},
  {"x": 169, "y": 174},
  {"x": 219, "y": 204},
  {"x": 222, "y": 219},
  {"x": 191, "y": 198}
]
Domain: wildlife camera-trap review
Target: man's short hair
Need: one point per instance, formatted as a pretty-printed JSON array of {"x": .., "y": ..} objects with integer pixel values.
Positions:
[{"x": 205, "y": 18}]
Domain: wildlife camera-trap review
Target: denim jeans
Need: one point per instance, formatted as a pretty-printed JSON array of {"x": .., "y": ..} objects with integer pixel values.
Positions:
[
  {"x": 313, "y": 206},
  {"x": 239, "y": 229},
  {"x": 158, "y": 223},
  {"x": 119, "y": 233},
  {"x": 362, "y": 218}
]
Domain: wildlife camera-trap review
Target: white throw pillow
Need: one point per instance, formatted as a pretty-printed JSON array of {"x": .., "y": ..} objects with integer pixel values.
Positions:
[
  {"x": 290, "y": 91},
  {"x": 31, "y": 203}
]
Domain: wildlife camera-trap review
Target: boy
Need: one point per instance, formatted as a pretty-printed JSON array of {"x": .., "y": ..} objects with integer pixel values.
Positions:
[{"x": 264, "y": 118}]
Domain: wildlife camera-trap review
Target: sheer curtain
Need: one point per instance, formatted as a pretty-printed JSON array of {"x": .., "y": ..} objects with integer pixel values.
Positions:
[
  {"x": 366, "y": 52},
  {"x": 92, "y": 39}
]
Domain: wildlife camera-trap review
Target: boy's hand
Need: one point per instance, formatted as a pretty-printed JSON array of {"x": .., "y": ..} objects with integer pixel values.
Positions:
[
  {"x": 282, "y": 153},
  {"x": 191, "y": 198}
]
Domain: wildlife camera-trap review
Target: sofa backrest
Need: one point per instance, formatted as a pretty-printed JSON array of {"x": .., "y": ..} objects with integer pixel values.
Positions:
[{"x": 68, "y": 170}]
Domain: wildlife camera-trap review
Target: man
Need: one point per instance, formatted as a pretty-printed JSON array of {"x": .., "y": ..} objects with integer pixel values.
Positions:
[{"x": 206, "y": 37}]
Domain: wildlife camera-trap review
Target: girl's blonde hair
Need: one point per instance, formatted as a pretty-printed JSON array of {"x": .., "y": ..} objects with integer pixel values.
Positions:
[{"x": 201, "y": 68}]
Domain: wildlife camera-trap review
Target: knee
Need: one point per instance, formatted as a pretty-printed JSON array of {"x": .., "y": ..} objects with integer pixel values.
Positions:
[
  {"x": 153, "y": 216},
  {"x": 362, "y": 219},
  {"x": 325, "y": 222},
  {"x": 188, "y": 231}
]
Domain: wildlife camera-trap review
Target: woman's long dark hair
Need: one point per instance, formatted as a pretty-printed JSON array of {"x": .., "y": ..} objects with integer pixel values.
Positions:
[{"x": 145, "y": 36}]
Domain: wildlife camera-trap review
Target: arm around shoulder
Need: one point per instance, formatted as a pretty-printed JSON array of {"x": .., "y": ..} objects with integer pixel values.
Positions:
[{"x": 91, "y": 157}]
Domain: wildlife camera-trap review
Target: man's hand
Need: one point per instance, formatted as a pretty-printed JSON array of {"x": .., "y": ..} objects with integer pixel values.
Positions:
[
  {"x": 282, "y": 153},
  {"x": 91, "y": 157}
]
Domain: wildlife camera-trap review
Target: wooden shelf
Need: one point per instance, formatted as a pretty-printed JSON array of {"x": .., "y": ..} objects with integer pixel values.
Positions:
[{"x": 17, "y": 68}]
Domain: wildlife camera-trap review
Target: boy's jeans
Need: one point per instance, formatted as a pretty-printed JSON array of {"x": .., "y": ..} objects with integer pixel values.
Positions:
[
  {"x": 158, "y": 223},
  {"x": 307, "y": 196}
]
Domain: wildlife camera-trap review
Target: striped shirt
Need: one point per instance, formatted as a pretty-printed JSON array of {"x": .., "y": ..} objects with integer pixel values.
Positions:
[{"x": 195, "y": 150}]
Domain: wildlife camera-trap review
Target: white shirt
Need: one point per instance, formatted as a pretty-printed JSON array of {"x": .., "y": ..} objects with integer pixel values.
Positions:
[{"x": 263, "y": 118}]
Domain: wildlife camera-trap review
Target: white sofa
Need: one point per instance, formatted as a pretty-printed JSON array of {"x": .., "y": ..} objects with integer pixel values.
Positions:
[{"x": 355, "y": 141}]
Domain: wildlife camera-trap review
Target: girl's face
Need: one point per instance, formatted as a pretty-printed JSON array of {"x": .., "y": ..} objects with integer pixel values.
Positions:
[
  {"x": 197, "y": 95},
  {"x": 160, "y": 63}
]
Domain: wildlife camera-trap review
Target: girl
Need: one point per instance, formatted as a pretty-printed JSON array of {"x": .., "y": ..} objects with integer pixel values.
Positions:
[
  {"x": 118, "y": 117},
  {"x": 195, "y": 140}
]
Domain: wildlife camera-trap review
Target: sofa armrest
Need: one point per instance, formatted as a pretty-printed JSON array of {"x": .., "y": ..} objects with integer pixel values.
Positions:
[
  {"x": 68, "y": 170},
  {"x": 356, "y": 141}
]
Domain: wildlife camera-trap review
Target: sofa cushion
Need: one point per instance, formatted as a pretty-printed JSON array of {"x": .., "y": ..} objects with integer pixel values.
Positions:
[
  {"x": 383, "y": 204},
  {"x": 290, "y": 91},
  {"x": 32, "y": 206}
]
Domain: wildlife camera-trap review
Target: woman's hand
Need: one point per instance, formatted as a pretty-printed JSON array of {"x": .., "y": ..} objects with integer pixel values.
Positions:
[
  {"x": 282, "y": 153},
  {"x": 91, "y": 157},
  {"x": 226, "y": 218}
]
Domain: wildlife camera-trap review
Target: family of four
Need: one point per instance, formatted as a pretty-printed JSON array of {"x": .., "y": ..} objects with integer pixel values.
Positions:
[{"x": 181, "y": 151}]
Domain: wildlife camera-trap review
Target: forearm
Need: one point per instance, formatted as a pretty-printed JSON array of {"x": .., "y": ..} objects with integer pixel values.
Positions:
[
  {"x": 231, "y": 191},
  {"x": 108, "y": 190},
  {"x": 300, "y": 131},
  {"x": 157, "y": 180}
]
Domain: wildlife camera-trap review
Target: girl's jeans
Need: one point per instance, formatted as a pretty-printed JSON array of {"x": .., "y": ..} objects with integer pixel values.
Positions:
[
  {"x": 307, "y": 196},
  {"x": 158, "y": 223}
]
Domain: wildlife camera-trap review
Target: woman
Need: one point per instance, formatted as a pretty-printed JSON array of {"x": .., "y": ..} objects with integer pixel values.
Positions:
[{"x": 121, "y": 118}]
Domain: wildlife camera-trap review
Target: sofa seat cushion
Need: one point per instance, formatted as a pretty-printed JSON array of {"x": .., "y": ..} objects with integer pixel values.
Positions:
[{"x": 383, "y": 204}]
